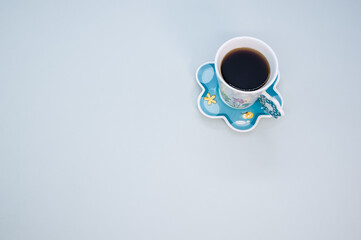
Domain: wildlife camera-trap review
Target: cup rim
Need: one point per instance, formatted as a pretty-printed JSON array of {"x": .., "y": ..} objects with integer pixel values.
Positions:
[{"x": 264, "y": 87}]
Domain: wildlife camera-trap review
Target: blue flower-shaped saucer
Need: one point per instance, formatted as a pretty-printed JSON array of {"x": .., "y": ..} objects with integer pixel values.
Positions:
[{"x": 211, "y": 105}]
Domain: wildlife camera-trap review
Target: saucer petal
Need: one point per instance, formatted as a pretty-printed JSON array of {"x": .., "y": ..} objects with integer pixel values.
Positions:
[{"x": 207, "y": 75}]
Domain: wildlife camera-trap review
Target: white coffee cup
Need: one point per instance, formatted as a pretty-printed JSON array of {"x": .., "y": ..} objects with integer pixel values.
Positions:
[{"x": 242, "y": 99}]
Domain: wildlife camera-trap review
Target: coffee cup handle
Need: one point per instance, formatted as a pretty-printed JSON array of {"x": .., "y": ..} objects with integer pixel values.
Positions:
[{"x": 270, "y": 105}]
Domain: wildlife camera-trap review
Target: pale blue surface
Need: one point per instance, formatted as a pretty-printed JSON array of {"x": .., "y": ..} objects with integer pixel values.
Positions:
[{"x": 101, "y": 138}]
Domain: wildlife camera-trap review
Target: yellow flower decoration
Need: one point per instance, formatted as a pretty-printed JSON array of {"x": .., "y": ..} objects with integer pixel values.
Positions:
[
  {"x": 210, "y": 99},
  {"x": 247, "y": 115}
]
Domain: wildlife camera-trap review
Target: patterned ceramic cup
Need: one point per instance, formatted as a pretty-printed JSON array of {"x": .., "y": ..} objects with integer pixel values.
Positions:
[{"x": 242, "y": 99}]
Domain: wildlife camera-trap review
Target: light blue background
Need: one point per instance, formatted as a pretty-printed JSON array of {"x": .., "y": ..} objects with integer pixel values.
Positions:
[{"x": 101, "y": 138}]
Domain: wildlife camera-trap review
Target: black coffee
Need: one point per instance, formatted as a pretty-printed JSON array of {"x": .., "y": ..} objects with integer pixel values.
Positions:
[{"x": 245, "y": 69}]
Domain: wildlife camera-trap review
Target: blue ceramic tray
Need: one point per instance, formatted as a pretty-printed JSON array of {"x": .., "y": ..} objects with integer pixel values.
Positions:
[{"x": 211, "y": 105}]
